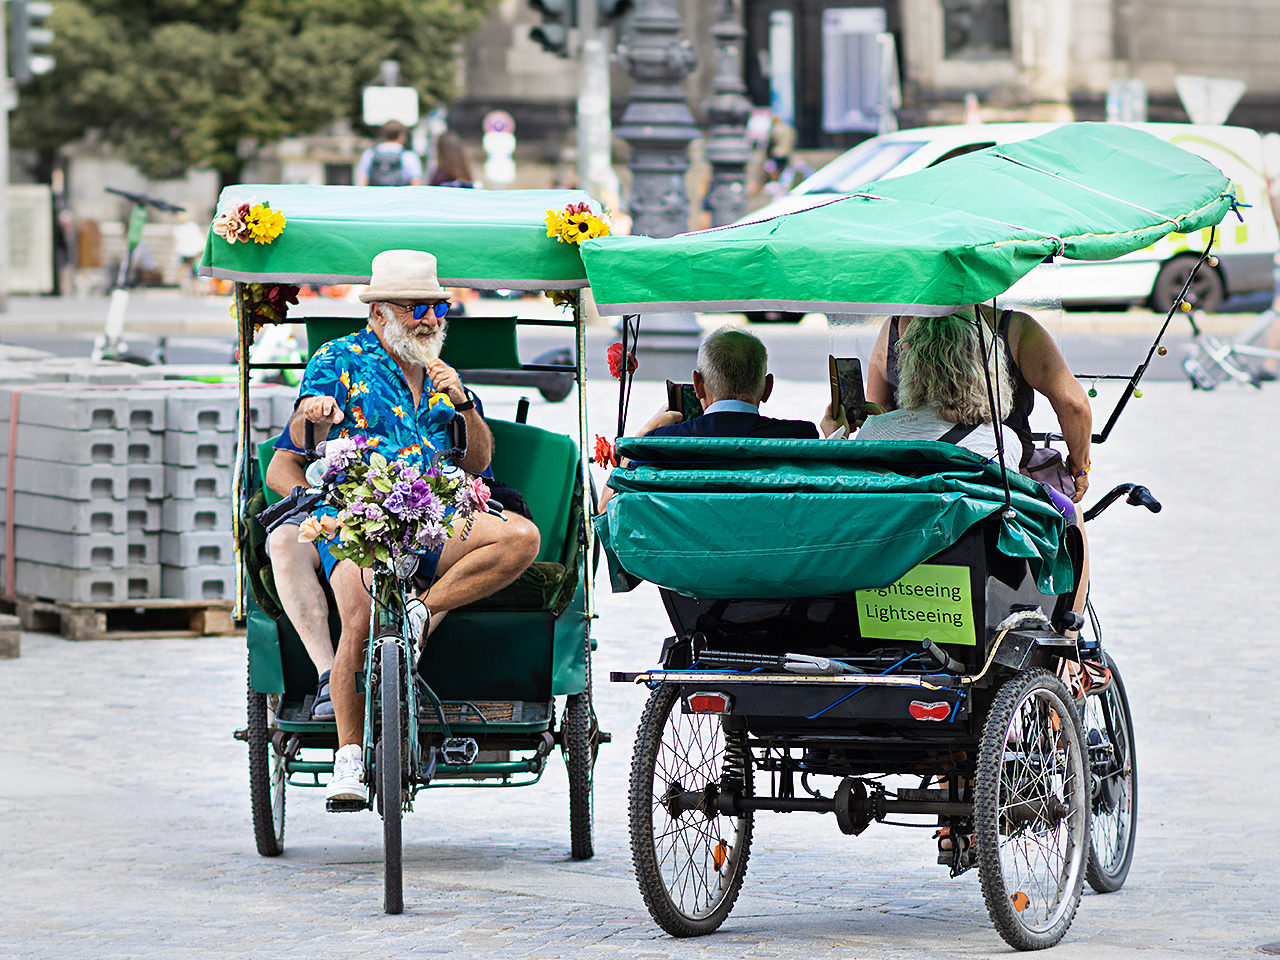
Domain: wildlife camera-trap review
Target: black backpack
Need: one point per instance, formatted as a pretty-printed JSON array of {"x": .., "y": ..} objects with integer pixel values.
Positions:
[{"x": 386, "y": 168}]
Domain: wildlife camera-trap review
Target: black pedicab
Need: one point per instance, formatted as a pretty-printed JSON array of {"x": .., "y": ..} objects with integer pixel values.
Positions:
[
  {"x": 895, "y": 615},
  {"x": 485, "y": 712}
]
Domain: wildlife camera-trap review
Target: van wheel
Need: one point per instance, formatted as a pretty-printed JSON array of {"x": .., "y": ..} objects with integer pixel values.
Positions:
[{"x": 1206, "y": 293}]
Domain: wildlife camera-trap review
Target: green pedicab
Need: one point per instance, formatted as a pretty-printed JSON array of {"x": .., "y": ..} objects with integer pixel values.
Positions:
[
  {"x": 494, "y": 669},
  {"x": 897, "y": 611}
]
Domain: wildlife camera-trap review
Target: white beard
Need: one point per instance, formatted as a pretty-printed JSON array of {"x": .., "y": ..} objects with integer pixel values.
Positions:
[{"x": 419, "y": 346}]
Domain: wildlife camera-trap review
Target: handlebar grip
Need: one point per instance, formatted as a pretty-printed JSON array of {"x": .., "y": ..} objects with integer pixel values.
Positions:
[
  {"x": 1141, "y": 497},
  {"x": 309, "y": 439}
]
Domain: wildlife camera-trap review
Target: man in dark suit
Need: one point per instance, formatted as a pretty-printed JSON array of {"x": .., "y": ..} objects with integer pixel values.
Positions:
[{"x": 731, "y": 381}]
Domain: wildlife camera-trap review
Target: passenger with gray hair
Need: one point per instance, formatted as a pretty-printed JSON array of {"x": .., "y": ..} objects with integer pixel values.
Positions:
[{"x": 731, "y": 381}]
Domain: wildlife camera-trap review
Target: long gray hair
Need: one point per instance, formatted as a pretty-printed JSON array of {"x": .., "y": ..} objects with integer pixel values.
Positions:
[{"x": 940, "y": 366}]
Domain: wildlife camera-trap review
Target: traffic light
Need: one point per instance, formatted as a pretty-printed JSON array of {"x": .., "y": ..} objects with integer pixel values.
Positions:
[
  {"x": 611, "y": 10},
  {"x": 29, "y": 38},
  {"x": 558, "y": 17}
]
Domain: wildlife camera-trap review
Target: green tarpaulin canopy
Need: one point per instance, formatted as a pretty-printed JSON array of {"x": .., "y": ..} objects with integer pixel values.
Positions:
[
  {"x": 797, "y": 518},
  {"x": 958, "y": 233},
  {"x": 490, "y": 239}
]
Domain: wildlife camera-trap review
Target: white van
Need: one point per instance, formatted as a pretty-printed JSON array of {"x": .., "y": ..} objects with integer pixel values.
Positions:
[{"x": 1246, "y": 250}]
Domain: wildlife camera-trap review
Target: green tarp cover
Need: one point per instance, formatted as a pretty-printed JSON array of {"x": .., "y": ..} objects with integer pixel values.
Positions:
[
  {"x": 958, "y": 233},
  {"x": 712, "y": 517},
  {"x": 480, "y": 238}
]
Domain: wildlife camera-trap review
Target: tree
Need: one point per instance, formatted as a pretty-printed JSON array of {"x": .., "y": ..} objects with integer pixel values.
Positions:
[{"x": 181, "y": 83}]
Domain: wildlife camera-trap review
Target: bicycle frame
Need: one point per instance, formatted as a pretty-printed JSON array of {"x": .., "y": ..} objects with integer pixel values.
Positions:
[{"x": 388, "y": 624}]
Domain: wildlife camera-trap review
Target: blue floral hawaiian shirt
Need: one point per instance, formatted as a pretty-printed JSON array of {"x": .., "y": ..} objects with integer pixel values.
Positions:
[{"x": 375, "y": 399}]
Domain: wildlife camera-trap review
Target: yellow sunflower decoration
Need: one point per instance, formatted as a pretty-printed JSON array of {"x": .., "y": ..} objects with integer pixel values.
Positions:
[{"x": 575, "y": 223}]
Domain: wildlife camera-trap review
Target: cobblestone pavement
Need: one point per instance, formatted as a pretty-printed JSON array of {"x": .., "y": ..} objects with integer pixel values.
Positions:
[{"x": 124, "y": 800}]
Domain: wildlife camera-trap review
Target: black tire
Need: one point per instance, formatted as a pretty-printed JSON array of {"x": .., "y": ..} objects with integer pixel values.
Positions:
[
  {"x": 266, "y": 778},
  {"x": 580, "y": 747},
  {"x": 1031, "y": 810},
  {"x": 390, "y": 782},
  {"x": 556, "y": 387},
  {"x": 1206, "y": 293},
  {"x": 1113, "y": 761},
  {"x": 675, "y": 854}
]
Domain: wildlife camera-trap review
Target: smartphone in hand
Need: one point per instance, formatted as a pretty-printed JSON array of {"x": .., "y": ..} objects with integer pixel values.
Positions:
[
  {"x": 682, "y": 398},
  {"x": 846, "y": 388}
]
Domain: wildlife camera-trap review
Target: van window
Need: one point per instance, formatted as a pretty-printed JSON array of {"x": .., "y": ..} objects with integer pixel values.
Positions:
[
  {"x": 860, "y": 166},
  {"x": 961, "y": 151}
]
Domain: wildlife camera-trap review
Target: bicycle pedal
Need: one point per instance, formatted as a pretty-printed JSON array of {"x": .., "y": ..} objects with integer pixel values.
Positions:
[
  {"x": 460, "y": 750},
  {"x": 345, "y": 805}
]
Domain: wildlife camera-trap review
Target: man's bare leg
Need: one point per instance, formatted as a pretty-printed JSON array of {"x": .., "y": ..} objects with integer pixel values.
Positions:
[
  {"x": 296, "y": 568},
  {"x": 349, "y": 590},
  {"x": 493, "y": 555}
]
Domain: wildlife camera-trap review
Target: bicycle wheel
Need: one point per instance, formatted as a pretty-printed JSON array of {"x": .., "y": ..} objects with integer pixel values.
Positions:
[
  {"x": 690, "y": 859},
  {"x": 1113, "y": 765},
  {"x": 266, "y": 776},
  {"x": 390, "y": 785},
  {"x": 579, "y": 731},
  {"x": 1031, "y": 811}
]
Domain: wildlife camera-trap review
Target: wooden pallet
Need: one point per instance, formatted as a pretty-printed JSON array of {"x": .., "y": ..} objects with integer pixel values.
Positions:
[{"x": 127, "y": 619}]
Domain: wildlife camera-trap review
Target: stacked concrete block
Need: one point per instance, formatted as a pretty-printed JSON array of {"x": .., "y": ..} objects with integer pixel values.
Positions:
[
  {"x": 122, "y": 491},
  {"x": 199, "y": 446},
  {"x": 76, "y": 470}
]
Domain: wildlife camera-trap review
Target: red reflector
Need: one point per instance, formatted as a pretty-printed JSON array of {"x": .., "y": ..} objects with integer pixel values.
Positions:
[
  {"x": 708, "y": 702},
  {"x": 929, "y": 711}
]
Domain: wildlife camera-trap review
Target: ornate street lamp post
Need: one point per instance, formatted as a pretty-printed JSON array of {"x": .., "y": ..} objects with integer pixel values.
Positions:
[
  {"x": 727, "y": 113},
  {"x": 659, "y": 127},
  {"x": 657, "y": 122}
]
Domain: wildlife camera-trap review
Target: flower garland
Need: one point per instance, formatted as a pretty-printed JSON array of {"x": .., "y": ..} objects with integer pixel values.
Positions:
[
  {"x": 241, "y": 221},
  {"x": 575, "y": 223},
  {"x": 266, "y": 302}
]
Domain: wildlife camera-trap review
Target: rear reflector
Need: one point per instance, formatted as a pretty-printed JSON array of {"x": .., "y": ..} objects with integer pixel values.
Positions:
[{"x": 708, "y": 701}]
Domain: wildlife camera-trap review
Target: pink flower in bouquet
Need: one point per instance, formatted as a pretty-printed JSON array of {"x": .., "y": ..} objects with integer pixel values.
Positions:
[
  {"x": 309, "y": 529},
  {"x": 479, "y": 492}
]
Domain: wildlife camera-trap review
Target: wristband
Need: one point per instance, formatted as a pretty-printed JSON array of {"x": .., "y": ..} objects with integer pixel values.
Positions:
[
  {"x": 1087, "y": 467},
  {"x": 469, "y": 404}
]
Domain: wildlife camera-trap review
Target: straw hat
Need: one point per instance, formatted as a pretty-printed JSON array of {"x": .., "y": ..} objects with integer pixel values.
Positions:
[{"x": 404, "y": 275}]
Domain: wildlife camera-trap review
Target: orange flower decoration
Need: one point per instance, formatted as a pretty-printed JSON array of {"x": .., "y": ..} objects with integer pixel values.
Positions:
[{"x": 605, "y": 455}]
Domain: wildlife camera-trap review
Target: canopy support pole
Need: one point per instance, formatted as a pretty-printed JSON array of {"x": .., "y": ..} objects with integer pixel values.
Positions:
[{"x": 997, "y": 422}]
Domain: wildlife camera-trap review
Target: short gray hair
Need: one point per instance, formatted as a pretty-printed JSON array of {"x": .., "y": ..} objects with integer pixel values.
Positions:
[
  {"x": 733, "y": 364},
  {"x": 940, "y": 366}
]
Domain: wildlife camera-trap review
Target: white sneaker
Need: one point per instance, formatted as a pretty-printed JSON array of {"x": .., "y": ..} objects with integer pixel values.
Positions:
[
  {"x": 416, "y": 612},
  {"x": 347, "y": 782}
]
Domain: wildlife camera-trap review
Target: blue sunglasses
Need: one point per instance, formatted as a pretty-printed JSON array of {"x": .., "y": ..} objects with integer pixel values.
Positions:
[{"x": 422, "y": 309}]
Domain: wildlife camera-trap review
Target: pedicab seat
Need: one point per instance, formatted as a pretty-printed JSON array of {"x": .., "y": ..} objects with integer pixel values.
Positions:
[{"x": 734, "y": 518}]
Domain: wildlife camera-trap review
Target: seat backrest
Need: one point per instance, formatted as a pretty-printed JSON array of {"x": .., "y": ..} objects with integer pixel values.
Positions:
[
  {"x": 266, "y": 449},
  {"x": 544, "y": 466}
]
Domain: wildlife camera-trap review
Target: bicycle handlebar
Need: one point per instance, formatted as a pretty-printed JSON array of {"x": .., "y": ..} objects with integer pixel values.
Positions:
[
  {"x": 143, "y": 199},
  {"x": 1137, "y": 496}
]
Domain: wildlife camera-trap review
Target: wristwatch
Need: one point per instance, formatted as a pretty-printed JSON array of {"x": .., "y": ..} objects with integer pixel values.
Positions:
[{"x": 469, "y": 404}]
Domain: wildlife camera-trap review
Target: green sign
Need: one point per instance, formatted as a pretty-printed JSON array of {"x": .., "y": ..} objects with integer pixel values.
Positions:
[{"x": 931, "y": 601}]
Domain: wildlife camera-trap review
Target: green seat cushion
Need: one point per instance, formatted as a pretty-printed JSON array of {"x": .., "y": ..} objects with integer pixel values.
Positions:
[
  {"x": 544, "y": 586},
  {"x": 544, "y": 466}
]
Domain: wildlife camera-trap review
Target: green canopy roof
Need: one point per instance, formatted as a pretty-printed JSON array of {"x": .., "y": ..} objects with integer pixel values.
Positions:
[
  {"x": 481, "y": 238},
  {"x": 958, "y": 233}
]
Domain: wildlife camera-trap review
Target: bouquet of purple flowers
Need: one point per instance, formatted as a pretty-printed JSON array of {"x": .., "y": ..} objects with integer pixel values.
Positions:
[{"x": 387, "y": 509}]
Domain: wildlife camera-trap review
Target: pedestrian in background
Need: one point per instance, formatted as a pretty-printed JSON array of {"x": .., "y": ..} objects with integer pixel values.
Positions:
[
  {"x": 453, "y": 167},
  {"x": 390, "y": 163}
]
